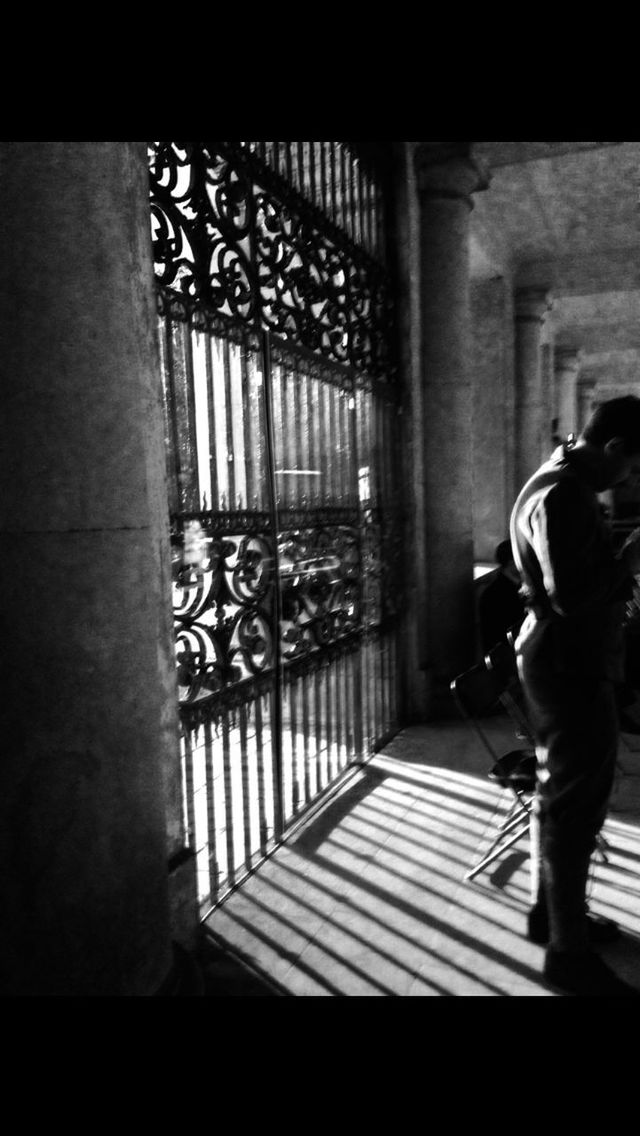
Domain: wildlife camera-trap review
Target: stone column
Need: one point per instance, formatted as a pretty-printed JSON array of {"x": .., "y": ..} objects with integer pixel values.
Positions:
[
  {"x": 567, "y": 369},
  {"x": 492, "y": 419},
  {"x": 446, "y": 178},
  {"x": 549, "y": 411},
  {"x": 531, "y": 306},
  {"x": 585, "y": 395},
  {"x": 88, "y": 681}
]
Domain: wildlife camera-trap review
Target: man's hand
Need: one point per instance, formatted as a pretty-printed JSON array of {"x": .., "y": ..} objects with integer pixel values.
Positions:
[{"x": 630, "y": 552}]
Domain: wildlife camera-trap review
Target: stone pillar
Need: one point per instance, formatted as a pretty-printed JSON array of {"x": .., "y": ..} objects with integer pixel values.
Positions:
[
  {"x": 492, "y": 418},
  {"x": 585, "y": 396},
  {"x": 531, "y": 306},
  {"x": 567, "y": 368},
  {"x": 88, "y": 680},
  {"x": 446, "y": 178},
  {"x": 550, "y": 411}
]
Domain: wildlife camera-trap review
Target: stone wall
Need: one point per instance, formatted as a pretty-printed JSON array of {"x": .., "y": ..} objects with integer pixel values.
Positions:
[{"x": 493, "y": 413}]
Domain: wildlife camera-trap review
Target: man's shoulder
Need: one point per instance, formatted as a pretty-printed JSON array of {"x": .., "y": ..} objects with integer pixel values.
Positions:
[{"x": 554, "y": 479}]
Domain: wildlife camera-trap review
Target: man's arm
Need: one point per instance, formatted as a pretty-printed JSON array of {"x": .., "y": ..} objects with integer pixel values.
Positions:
[{"x": 578, "y": 564}]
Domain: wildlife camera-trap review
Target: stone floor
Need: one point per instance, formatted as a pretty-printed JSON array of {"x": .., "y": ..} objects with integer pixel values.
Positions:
[{"x": 368, "y": 898}]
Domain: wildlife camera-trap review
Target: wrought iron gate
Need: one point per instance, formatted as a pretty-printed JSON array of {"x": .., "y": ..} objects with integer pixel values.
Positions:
[{"x": 281, "y": 417}]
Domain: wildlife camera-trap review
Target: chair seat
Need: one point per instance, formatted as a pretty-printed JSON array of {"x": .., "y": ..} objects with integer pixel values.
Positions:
[{"x": 516, "y": 769}]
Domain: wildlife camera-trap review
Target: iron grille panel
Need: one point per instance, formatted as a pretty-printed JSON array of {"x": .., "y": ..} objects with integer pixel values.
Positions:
[
  {"x": 234, "y": 239},
  {"x": 280, "y": 420}
]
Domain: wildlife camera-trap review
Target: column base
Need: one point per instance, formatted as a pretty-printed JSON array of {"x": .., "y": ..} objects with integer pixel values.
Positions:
[{"x": 185, "y": 977}]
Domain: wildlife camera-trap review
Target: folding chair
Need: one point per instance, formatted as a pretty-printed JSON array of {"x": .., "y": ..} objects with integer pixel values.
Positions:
[
  {"x": 478, "y": 692},
  {"x": 501, "y": 660}
]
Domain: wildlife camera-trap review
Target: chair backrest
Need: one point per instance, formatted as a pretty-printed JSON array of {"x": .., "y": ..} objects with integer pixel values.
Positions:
[
  {"x": 501, "y": 661},
  {"x": 480, "y": 692},
  {"x": 477, "y": 693}
]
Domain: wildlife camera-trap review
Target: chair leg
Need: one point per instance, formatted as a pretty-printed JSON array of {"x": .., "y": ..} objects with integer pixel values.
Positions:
[
  {"x": 496, "y": 852},
  {"x": 602, "y": 847},
  {"x": 512, "y": 821}
]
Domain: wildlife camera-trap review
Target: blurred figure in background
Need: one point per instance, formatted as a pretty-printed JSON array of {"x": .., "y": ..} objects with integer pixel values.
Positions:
[{"x": 500, "y": 605}]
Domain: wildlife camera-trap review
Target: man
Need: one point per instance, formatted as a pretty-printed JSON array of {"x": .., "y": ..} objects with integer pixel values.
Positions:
[
  {"x": 500, "y": 605},
  {"x": 570, "y": 656}
]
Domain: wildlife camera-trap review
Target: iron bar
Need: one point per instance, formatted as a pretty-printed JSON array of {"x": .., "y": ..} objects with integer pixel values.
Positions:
[
  {"x": 303, "y": 417},
  {"x": 287, "y": 452},
  {"x": 328, "y": 674},
  {"x": 371, "y": 215},
  {"x": 277, "y": 602},
  {"x": 170, "y": 415},
  {"x": 320, "y": 751},
  {"x": 308, "y": 791},
  {"x": 219, "y": 358},
  {"x": 184, "y": 437},
  {"x": 357, "y": 232},
  {"x": 263, "y": 828},
  {"x": 314, "y": 441},
  {"x": 339, "y": 713},
  {"x": 228, "y": 800},
  {"x": 297, "y": 432},
  {"x": 325, "y": 441},
  {"x": 186, "y": 747},
  {"x": 352, "y": 196},
  {"x": 325, "y": 159},
  {"x": 276, "y": 401},
  {"x": 250, "y": 435},
  {"x": 229, "y": 454},
  {"x": 302, "y": 182},
  {"x": 212, "y": 835},
  {"x": 240, "y": 498},
  {"x": 246, "y": 785},
  {"x": 192, "y": 497},
  {"x": 333, "y": 180},
  {"x": 198, "y": 372},
  {"x": 350, "y": 707},
  {"x": 343, "y": 400},
  {"x": 344, "y": 191},
  {"x": 293, "y": 735},
  {"x": 311, "y": 153},
  {"x": 211, "y": 405}
]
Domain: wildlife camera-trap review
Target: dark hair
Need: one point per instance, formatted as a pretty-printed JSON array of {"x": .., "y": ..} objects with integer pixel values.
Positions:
[
  {"x": 504, "y": 553},
  {"x": 617, "y": 418}
]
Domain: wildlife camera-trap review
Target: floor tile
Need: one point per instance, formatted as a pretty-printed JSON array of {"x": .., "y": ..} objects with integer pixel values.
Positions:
[{"x": 369, "y": 898}]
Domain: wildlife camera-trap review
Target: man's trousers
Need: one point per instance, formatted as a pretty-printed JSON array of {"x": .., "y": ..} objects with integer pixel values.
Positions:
[{"x": 575, "y": 723}]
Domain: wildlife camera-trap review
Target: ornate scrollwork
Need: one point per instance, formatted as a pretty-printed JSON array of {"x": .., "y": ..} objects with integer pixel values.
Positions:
[
  {"x": 200, "y": 214},
  {"x": 319, "y": 576},
  {"x": 223, "y": 608},
  {"x": 231, "y": 242},
  {"x": 302, "y": 280},
  {"x": 224, "y": 600}
]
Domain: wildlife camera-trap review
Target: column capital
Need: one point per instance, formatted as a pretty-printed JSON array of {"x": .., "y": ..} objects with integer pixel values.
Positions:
[
  {"x": 586, "y": 384},
  {"x": 567, "y": 359},
  {"x": 449, "y": 169},
  {"x": 532, "y": 304}
]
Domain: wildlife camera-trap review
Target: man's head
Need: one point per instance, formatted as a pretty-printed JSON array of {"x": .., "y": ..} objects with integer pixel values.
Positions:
[{"x": 612, "y": 434}]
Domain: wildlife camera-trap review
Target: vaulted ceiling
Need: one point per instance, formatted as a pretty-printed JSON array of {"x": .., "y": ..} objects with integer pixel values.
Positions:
[{"x": 566, "y": 215}]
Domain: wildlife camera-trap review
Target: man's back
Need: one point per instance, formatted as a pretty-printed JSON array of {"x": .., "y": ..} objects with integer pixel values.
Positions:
[{"x": 575, "y": 588}]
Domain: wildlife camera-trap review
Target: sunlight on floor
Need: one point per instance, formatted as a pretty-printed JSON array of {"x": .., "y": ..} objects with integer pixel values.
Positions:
[{"x": 369, "y": 899}]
